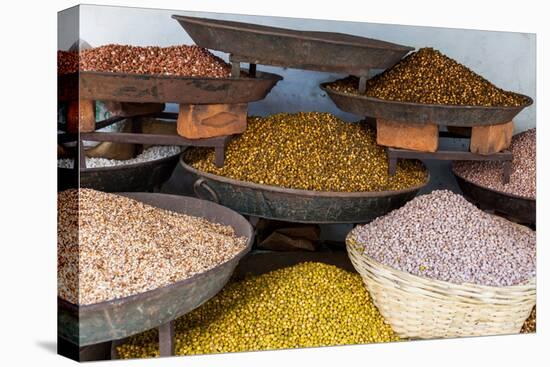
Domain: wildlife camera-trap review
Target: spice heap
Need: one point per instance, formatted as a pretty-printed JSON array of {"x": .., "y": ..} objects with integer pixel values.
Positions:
[
  {"x": 150, "y": 154},
  {"x": 523, "y": 179},
  {"x": 442, "y": 236},
  {"x": 111, "y": 246},
  {"x": 180, "y": 60},
  {"x": 309, "y": 151},
  {"x": 67, "y": 62},
  {"x": 306, "y": 305},
  {"x": 428, "y": 76},
  {"x": 530, "y": 325}
]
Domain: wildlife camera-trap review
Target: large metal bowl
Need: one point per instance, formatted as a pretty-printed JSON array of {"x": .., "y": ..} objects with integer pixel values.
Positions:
[
  {"x": 313, "y": 50},
  {"x": 144, "y": 176},
  {"x": 119, "y": 318},
  {"x": 293, "y": 205},
  {"x": 516, "y": 207},
  {"x": 409, "y": 112},
  {"x": 146, "y": 88}
]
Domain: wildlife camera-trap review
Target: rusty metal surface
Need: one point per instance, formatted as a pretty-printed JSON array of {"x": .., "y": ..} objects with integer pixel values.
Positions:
[
  {"x": 408, "y": 112},
  {"x": 297, "y": 205},
  {"x": 172, "y": 89},
  {"x": 517, "y": 207},
  {"x": 119, "y": 318},
  {"x": 144, "y": 176},
  {"x": 322, "y": 51}
]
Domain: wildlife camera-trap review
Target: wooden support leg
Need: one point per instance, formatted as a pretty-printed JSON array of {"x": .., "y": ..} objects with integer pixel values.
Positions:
[
  {"x": 491, "y": 139},
  {"x": 166, "y": 339},
  {"x": 211, "y": 120},
  {"x": 81, "y": 116},
  {"x": 419, "y": 137}
]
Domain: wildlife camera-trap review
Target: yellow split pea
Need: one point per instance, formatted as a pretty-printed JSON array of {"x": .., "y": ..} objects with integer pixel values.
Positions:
[{"x": 306, "y": 305}]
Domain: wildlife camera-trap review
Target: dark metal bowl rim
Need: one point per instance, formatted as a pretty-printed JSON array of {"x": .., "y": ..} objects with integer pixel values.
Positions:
[
  {"x": 312, "y": 193},
  {"x": 489, "y": 189},
  {"x": 324, "y": 87},
  {"x": 144, "y": 295},
  {"x": 260, "y": 75},
  {"x": 122, "y": 167},
  {"x": 279, "y": 31}
]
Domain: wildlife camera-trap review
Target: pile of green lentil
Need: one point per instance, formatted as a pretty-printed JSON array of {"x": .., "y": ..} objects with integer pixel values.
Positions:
[
  {"x": 309, "y": 151},
  {"x": 306, "y": 305},
  {"x": 428, "y": 76}
]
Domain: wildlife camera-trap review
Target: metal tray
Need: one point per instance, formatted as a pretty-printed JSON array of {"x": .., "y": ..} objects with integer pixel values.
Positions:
[
  {"x": 322, "y": 51},
  {"x": 292, "y": 205},
  {"x": 447, "y": 115},
  {"x": 143, "y": 88},
  {"x": 119, "y": 318},
  {"x": 144, "y": 176},
  {"x": 519, "y": 208}
]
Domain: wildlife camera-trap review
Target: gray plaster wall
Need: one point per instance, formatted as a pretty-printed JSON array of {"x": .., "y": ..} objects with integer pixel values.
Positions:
[{"x": 507, "y": 59}]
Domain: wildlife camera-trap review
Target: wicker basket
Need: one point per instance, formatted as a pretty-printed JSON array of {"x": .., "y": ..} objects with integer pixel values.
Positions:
[{"x": 418, "y": 307}]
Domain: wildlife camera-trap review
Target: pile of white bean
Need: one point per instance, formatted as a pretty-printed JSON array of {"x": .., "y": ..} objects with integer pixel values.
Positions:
[
  {"x": 149, "y": 154},
  {"x": 442, "y": 236}
]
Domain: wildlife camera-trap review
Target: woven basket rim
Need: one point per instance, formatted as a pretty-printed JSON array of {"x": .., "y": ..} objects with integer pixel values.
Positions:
[{"x": 527, "y": 285}]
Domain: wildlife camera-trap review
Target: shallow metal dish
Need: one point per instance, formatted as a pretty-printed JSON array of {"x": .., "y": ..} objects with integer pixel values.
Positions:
[
  {"x": 322, "y": 51},
  {"x": 144, "y": 176},
  {"x": 119, "y": 318},
  {"x": 146, "y": 88},
  {"x": 519, "y": 208},
  {"x": 408, "y": 112}
]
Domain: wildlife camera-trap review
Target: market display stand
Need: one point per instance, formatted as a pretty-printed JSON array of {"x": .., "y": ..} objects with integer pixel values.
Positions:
[
  {"x": 411, "y": 130},
  {"x": 321, "y": 51},
  {"x": 214, "y": 98}
]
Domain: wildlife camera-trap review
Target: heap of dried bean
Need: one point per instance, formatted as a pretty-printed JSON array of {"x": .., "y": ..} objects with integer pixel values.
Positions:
[
  {"x": 306, "y": 305},
  {"x": 182, "y": 60},
  {"x": 428, "y": 76},
  {"x": 309, "y": 151},
  {"x": 443, "y": 236},
  {"x": 523, "y": 178},
  {"x": 111, "y": 246},
  {"x": 67, "y": 62}
]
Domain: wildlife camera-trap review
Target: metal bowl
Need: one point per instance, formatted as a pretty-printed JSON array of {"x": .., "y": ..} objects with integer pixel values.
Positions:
[
  {"x": 122, "y": 317},
  {"x": 293, "y": 205},
  {"x": 409, "y": 112},
  {"x": 144, "y": 176},
  {"x": 174, "y": 89},
  {"x": 322, "y": 51},
  {"x": 519, "y": 208}
]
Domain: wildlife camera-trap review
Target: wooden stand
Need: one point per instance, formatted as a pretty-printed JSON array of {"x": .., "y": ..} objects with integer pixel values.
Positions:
[
  {"x": 484, "y": 140},
  {"x": 418, "y": 137},
  {"x": 491, "y": 139},
  {"x": 81, "y": 116},
  {"x": 211, "y": 120}
]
